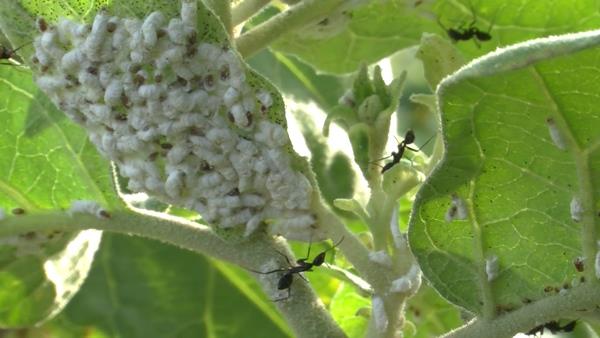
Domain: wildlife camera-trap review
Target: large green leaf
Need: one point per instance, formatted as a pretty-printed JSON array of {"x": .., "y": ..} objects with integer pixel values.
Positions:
[
  {"x": 384, "y": 27},
  {"x": 46, "y": 162},
  {"x": 142, "y": 288},
  {"x": 372, "y": 32},
  {"x": 429, "y": 315},
  {"x": 515, "y": 182}
]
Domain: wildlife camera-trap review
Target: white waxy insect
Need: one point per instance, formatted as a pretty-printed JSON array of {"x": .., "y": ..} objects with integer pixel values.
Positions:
[
  {"x": 555, "y": 134},
  {"x": 129, "y": 144},
  {"x": 253, "y": 224},
  {"x": 97, "y": 36},
  {"x": 149, "y": 27},
  {"x": 112, "y": 95},
  {"x": 491, "y": 267},
  {"x": 457, "y": 209},
  {"x": 50, "y": 84},
  {"x": 576, "y": 209},
  {"x": 155, "y": 184},
  {"x": 101, "y": 112},
  {"x": 231, "y": 96},
  {"x": 88, "y": 207},
  {"x": 175, "y": 30},
  {"x": 178, "y": 153},
  {"x": 189, "y": 13},
  {"x": 210, "y": 180},
  {"x": 72, "y": 61},
  {"x": 271, "y": 135},
  {"x": 408, "y": 283},
  {"x": 150, "y": 91},
  {"x": 381, "y": 257},
  {"x": 109, "y": 145},
  {"x": 170, "y": 56},
  {"x": 174, "y": 184}
]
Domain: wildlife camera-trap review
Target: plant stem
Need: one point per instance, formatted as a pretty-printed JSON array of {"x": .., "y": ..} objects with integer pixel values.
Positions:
[
  {"x": 222, "y": 8},
  {"x": 290, "y": 20},
  {"x": 304, "y": 312},
  {"x": 246, "y": 9},
  {"x": 573, "y": 304}
]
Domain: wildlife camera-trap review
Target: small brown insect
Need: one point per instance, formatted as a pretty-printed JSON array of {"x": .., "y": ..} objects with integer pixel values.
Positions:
[
  {"x": 104, "y": 214},
  {"x": 578, "y": 262},
  {"x": 249, "y": 118},
  {"x": 18, "y": 211},
  {"x": 111, "y": 27},
  {"x": 42, "y": 24}
]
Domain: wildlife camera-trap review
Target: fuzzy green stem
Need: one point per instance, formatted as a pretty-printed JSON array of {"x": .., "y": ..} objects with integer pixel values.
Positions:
[
  {"x": 295, "y": 17},
  {"x": 304, "y": 312},
  {"x": 222, "y": 8},
  {"x": 570, "y": 305},
  {"x": 378, "y": 276},
  {"x": 246, "y": 9}
]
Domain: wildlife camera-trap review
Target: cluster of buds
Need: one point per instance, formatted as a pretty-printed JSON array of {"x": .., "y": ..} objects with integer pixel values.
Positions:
[{"x": 178, "y": 116}]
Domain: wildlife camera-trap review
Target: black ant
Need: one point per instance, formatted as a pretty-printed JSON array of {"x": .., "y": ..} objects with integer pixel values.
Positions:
[
  {"x": 285, "y": 281},
  {"x": 553, "y": 326},
  {"x": 409, "y": 138},
  {"x": 7, "y": 53},
  {"x": 471, "y": 32}
]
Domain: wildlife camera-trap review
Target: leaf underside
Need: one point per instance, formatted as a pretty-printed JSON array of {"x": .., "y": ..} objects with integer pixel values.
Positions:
[{"x": 515, "y": 181}]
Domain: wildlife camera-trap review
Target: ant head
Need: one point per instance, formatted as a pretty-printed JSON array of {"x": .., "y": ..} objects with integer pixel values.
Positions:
[
  {"x": 320, "y": 258},
  {"x": 409, "y": 137}
]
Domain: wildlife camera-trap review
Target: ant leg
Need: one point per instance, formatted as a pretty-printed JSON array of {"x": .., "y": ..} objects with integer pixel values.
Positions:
[
  {"x": 300, "y": 274},
  {"x": 309, "y": 246},
  {"x": 286, "y": 297},
  {"x": 286, "y": 258},
  {"x": 422, "y": 145},
  {"x": 268, "y": 272}
]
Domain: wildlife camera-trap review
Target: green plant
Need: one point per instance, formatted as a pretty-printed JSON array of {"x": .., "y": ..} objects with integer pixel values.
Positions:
[{"x": 182, "y": 102}]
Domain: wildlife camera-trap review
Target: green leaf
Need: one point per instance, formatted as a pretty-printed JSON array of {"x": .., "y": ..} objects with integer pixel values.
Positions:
[
  {"x": 294, "y": 77},
  {"x": 142, "y": 288},
  {"x": 516, "y": 184},
  {"x": 344, "y": 307},
  {"x": 430, "y": 315},
  {"x": 374, "y": 31},
  {"x": 514, "y": 20},
  {"x": 46, "y": 163},
  {"x": 439, "y": 58},
  {"x": 333, "y": 169}
]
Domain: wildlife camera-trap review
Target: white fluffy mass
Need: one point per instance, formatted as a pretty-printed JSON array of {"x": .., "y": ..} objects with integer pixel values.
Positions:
[{"x": 178, "y": 117}]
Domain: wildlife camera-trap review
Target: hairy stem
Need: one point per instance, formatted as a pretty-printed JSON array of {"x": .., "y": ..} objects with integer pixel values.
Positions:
[
  {"x": 246, "y": 9},
  {"x": 304, "y": 312},
  {"x": 573, "y": 305},
  {"x": 293, "y": 18}
]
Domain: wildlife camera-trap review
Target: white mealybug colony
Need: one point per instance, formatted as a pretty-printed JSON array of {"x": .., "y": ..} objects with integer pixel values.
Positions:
[
  {"x": 555, "y": 134},
  {"x": 491, "y": 267},
  {"x": 178, "y": 117}
]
